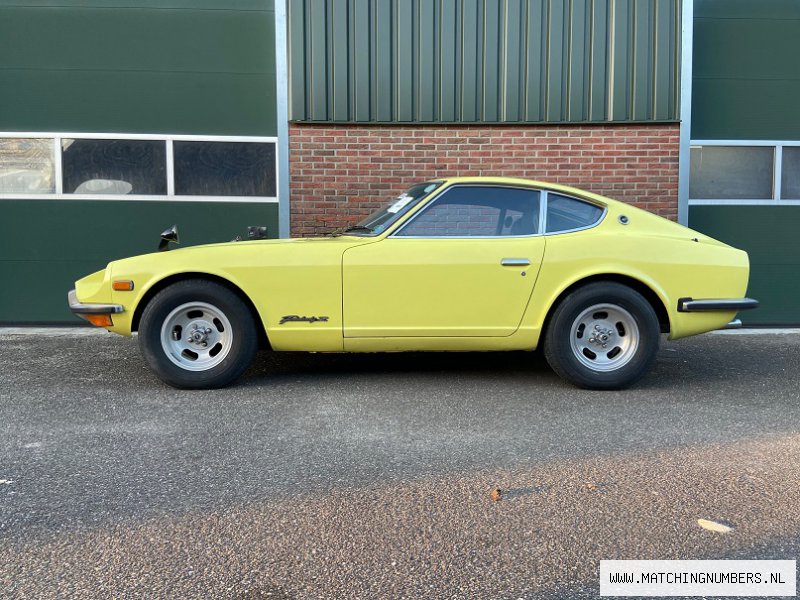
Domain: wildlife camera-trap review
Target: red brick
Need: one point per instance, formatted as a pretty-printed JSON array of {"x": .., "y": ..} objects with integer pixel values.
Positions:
[{"x": 339, "y": 173}]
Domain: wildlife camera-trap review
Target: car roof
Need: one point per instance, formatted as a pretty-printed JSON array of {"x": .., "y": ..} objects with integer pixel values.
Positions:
[{"x": 557, "y": 187}]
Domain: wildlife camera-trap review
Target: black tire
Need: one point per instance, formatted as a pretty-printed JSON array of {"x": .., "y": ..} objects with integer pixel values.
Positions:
[
  {"x": 215, "y": 318},
  {"x": 600, "y": 352}
]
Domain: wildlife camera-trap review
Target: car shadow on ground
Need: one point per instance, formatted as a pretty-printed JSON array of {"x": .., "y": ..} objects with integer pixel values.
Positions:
[
  {"x": 693, "y": 361},
  {"x": 273, "y": 364}
]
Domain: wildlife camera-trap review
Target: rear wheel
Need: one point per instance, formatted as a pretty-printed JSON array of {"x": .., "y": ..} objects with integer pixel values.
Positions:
[
  {"x": 604, "y": 335},
  {"x": 197, "y": 334}
]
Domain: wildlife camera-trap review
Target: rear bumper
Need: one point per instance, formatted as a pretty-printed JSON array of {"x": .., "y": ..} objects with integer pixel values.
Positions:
[
  {"x": 716, "y": 305},
  {"x": 79, "y": 308}
]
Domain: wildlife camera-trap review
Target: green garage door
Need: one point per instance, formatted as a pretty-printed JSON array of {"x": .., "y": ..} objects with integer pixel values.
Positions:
[
  {"x": 745, "y": 155},
  {"x": 769, "y": 234},
  {"x": 120, "y": 119}
]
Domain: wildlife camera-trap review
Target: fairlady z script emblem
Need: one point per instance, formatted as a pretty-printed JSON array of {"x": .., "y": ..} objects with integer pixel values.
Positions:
[{"x": 298, "y": 318}]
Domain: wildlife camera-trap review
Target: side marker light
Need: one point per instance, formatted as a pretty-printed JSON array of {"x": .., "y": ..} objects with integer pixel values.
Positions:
[{"x": 122, "y": 285}]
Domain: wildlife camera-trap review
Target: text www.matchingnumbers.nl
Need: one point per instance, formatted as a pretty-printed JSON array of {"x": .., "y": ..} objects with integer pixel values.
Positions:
[{"x": 672, "y": 578}]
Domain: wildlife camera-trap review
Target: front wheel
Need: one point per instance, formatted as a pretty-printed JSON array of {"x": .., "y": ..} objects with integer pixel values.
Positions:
[
  {"x": 602, "y": 336},
  {"x": 197, "y": 334}
]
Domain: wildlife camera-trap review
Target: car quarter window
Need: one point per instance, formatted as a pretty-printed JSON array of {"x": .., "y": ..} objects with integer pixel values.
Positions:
[
  {"x": 477, "y": 211},
  {"x": 565, "y": 213}
]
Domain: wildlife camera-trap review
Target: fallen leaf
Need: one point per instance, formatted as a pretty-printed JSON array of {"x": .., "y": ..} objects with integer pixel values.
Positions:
[
  {"x": 496, "y": 494},
  {"x": 714, "y": 526}
]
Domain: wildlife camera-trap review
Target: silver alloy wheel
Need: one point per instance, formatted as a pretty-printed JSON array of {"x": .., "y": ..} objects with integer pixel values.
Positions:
[
  {"x": 196, "y": 336},
  {"x": 604, "y": 337}
]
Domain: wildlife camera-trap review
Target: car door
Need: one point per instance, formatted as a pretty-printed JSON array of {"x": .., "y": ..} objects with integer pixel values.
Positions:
[{"x": 464, "y": 265}]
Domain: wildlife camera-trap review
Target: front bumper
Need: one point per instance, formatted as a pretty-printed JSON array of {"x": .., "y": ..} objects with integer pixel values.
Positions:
[
  {"x": 81, "y": 309},
  {"x": 716, "y": 305}
]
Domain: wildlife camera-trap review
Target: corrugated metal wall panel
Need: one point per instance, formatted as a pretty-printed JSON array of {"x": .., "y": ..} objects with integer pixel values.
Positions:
[
  {"x": 484, "y": 61},
  {"x": 598, "y": 62},
  {"x": 536, "y": 58}
]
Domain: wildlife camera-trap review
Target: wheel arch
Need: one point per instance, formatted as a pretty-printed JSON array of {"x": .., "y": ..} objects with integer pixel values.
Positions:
[
  {"x": 637, "y": 285},
  {"x": 263, "y": 339}
]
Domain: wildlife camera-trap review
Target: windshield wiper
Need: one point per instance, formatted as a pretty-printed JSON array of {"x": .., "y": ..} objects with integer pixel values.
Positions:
[{"x": 353, "y": 229}]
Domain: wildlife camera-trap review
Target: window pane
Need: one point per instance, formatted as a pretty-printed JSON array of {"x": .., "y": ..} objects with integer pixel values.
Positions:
[
  {"x": 565, "y": 213},
  {"x": 731, "y": 172},
  {"x": 224, "y": 169},
  {"x": 467, "y": 211},
  {"x": 26, "y": 166},
  {"x": 114, "y": 166},
  {"x": 790, "y": 174}
]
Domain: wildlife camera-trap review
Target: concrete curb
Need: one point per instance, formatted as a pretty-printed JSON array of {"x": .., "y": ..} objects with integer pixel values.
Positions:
[{"x": 51, "y": 331}]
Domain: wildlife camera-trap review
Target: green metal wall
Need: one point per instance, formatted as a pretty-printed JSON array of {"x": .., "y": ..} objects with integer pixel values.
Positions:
[
  {"x": 745, "y": 85},
  {"x": 745, "y": 72},
  {"x": 769, "y": 234},
  {"x": 203, "y": 67},
  {"x": 171, "y": 66},
  {"x": 45, "y": 245},
  {"x": 491, "y": 61}
]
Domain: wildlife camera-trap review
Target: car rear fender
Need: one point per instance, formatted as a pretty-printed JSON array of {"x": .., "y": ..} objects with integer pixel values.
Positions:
[
  {"x": 547, "y": 295},
  {"x": 669, "y": 268}
]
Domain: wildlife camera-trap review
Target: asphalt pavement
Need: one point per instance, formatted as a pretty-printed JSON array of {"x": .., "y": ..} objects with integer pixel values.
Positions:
[{"x": 369, "y": 476}]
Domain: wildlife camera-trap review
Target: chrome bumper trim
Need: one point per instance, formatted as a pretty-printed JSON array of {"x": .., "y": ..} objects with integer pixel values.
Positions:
[
  {"x": 735, "y": 324},
  {"x": 716, "y": 305},
  {"x": 91, "y": 309}
]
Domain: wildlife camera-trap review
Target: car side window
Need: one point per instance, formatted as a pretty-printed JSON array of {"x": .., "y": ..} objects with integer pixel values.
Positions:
[
  {"x": 565, "y": 213},
  {"x": 477, "y": 211}
]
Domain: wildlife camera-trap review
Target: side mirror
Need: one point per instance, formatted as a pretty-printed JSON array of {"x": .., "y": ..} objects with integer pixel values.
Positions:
[{"x": 167, "y": 236}]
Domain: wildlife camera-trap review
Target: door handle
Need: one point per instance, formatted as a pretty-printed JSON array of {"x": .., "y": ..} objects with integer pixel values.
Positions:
[{"x": 515, "y": 262}]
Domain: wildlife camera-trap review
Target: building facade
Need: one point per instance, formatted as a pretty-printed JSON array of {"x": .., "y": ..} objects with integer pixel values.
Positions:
[
  {"x": 120, "y": 119},
  {"x": 570, "y": 91}
]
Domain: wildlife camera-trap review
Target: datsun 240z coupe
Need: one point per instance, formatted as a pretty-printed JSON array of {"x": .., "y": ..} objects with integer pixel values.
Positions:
[{"x": 450, "y": 265}]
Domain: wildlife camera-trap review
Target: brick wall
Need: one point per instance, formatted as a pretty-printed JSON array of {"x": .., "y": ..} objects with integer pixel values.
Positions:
[{"x": 340, "y": 173}]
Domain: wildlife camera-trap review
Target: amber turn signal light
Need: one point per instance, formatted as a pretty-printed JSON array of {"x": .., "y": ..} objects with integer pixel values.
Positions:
[
  {"x": 99, "y": 320},
  {"x": 122, "y": 285}
]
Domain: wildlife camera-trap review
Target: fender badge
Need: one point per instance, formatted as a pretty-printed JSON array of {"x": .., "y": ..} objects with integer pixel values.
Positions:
[{"x": 298, "y": 318}]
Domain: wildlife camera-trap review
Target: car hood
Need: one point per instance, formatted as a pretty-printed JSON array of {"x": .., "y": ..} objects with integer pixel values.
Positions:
[
  {"x": 331, "y": 240},
  {"x": 344, "y": 240},
  {"x": 266, "y": 252}
]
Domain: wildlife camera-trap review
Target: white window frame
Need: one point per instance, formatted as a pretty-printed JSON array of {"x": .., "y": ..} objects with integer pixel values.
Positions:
[
  {"x": 777, "y": 173},
  {"x": 59, "y": 194}
]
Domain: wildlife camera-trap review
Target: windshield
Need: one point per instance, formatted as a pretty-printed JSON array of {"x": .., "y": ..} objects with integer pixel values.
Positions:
[{"x": 380, "y": 220}]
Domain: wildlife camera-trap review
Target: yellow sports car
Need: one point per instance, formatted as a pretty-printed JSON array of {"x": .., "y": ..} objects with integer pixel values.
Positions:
[{"x": 478, "y": 263}]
